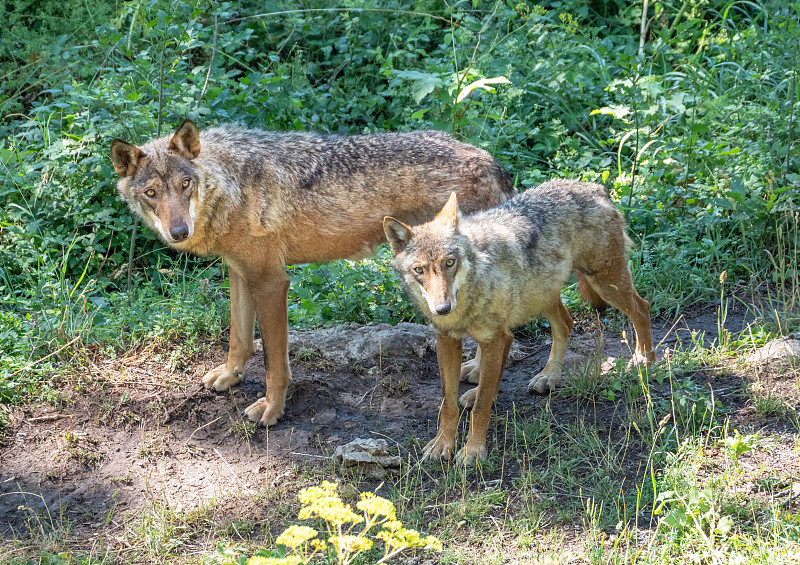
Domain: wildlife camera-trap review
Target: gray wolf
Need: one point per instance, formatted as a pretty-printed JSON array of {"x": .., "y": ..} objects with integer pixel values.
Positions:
[
  {"x": 263, "y": 200},
  {"x": 484, "y": 274}
]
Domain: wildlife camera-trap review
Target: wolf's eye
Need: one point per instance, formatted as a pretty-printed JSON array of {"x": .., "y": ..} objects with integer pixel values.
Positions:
[
  {"x": 185, "y": 184},
  {"x": 419, "y": 270},
  {"x": 150, "y": 193},
  {"x": 450, "y": 262}
]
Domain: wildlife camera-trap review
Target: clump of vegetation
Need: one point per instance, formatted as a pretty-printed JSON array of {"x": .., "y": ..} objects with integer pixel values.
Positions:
[
  {"x": 693, "y": 133},
  {"x": 349, "y": 534}
]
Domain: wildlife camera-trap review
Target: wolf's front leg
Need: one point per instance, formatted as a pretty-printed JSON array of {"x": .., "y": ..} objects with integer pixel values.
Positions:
[
  {"x": 241, "y": 342},
  {"x": 448, "y": 353},
  {"x": 493, "y": 360},
  {"x": 270, "y": 292},
  {"x": 561, "y": 325}
]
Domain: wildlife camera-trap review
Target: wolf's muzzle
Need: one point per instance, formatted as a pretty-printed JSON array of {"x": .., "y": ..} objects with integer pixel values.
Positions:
[
  {"x": 179, "y": 232},
  {"x": 443, "y": 308}
]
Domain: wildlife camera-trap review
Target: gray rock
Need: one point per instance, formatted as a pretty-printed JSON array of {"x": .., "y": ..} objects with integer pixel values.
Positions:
[
  {"x": 370, "y": 456},
  {"x": 350, "y": 344},
  {"x": 575, "y": 362},
  {"x": 777, "y": 351}
]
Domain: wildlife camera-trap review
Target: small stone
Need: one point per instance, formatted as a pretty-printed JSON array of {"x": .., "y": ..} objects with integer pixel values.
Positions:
[
  {"x": 393, "y": 407},
  {"x": 325, "y": 417},
  {"x": 609, "y": 365},
  {"x": 370, "y": 456}
]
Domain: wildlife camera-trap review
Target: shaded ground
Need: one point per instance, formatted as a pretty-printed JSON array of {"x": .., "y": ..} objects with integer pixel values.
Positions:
[{"x": 132, "y": 434}]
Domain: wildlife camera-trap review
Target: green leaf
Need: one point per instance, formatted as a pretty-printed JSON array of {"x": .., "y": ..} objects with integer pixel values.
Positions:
[
  {"x": 423, "y": 83},
  {"x": 619, "y": 112},
  {"x": 481, "y": 83}
]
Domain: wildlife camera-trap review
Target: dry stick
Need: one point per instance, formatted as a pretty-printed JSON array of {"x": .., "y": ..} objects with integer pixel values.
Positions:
[
  {"x": 32, "y": 365},
  {"x": 200, "y": 428},
  {"x": 791, "y": 115},
  {"x": 211, "y": 63},
  {"x": 643, "y": 29}
]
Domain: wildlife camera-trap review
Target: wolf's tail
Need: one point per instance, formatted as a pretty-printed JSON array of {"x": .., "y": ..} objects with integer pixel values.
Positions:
[{"x": 590, "y": 294}]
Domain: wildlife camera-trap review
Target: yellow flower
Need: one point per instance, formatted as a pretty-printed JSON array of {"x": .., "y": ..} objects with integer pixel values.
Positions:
[
  {"x": 296, "y": 535},
  {"x": 351, "y": 544},
  {"x": 291, "y": 560},
  {"x": 312, "y": 494},
  {"x": 323, "y": 502},
  {"x": 396, "y": 537},
  {"x": 334, "y": 514},
  {"x": 376, "y": 506},
  {"x": 433, "y": 543},
  {"x": 393, "y": 525},
  {"x": 318, "y": 545}
]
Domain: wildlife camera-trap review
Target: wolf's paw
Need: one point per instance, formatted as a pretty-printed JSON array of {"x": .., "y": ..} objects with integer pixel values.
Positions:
[
  {"x": 639, "y": 360},
  {"x": 470, "y": 372},
  {"x": 468, "y": 398},
  {"x": 543, "y": 383},
  {"x": 469, "y": 454},
  {"x": 263, "y": 413},
  {"x": 220, "y": 379},
  {"x": 438, "y": 448}
]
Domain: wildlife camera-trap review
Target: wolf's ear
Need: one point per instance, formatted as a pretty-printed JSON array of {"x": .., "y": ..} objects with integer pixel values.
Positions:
[
  {"x": 186, "y": 140},
  {"x": 397, "y": 233},
  {"x": 449, "y": 213},
  {"x": 125, "y": 157}
]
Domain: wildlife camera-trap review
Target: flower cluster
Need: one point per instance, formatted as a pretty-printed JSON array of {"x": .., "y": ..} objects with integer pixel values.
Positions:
[
  {"x": 397, "y": 538},
  {"x": 290, "y": 560},
  {"x": 340, "y": 523},
  {"x": 376, "y": 506},
  {"x": 323, "y": 502}
]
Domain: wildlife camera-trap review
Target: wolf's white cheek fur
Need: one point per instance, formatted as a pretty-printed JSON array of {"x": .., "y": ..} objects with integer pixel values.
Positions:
[
  {"x": 460, "y": 277},
  {"x": 192, "y": 216},
  {"x": 427, "y": 297},
  {"x": 159, "y": 226}
]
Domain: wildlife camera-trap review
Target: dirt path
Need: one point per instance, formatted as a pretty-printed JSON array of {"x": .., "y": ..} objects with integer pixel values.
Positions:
[{"x": 136, "y": 434}]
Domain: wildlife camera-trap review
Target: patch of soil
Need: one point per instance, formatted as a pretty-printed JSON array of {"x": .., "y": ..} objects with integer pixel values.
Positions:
[{"x": 142, "y": 434}]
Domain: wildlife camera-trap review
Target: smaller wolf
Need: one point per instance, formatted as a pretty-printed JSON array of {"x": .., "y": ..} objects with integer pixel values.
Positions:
[{"x": 484, "y": 274}]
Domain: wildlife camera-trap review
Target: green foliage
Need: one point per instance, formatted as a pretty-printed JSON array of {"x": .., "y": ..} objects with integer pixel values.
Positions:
[
  {"x": 694, "y": 510},
  {"x": 695, "y": 137},
  {"x": 346, "y": 291}
]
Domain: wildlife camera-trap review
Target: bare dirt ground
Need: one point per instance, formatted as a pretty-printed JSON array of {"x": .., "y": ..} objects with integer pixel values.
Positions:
[{"x": 133, "y": 434}]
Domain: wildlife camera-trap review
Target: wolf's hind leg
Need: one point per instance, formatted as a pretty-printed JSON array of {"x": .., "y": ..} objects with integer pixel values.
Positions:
[
  {"x": 471, "y": 370},
  {"x": 241, "y": 341},
  {"x": 561, "y": 325},
  {"x": 448, "y": 354},
  {"x": 614, "y": 284},
  {"x": 467, "y": 399}
]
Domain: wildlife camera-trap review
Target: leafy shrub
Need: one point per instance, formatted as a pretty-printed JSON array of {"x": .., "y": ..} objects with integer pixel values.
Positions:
[{"x": 695, "y": 136}]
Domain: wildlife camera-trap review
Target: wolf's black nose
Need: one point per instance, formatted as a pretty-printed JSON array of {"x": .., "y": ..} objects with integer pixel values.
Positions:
[
  {"x": 180, "y": 232},
  {"x": 443, "y": 308}
]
